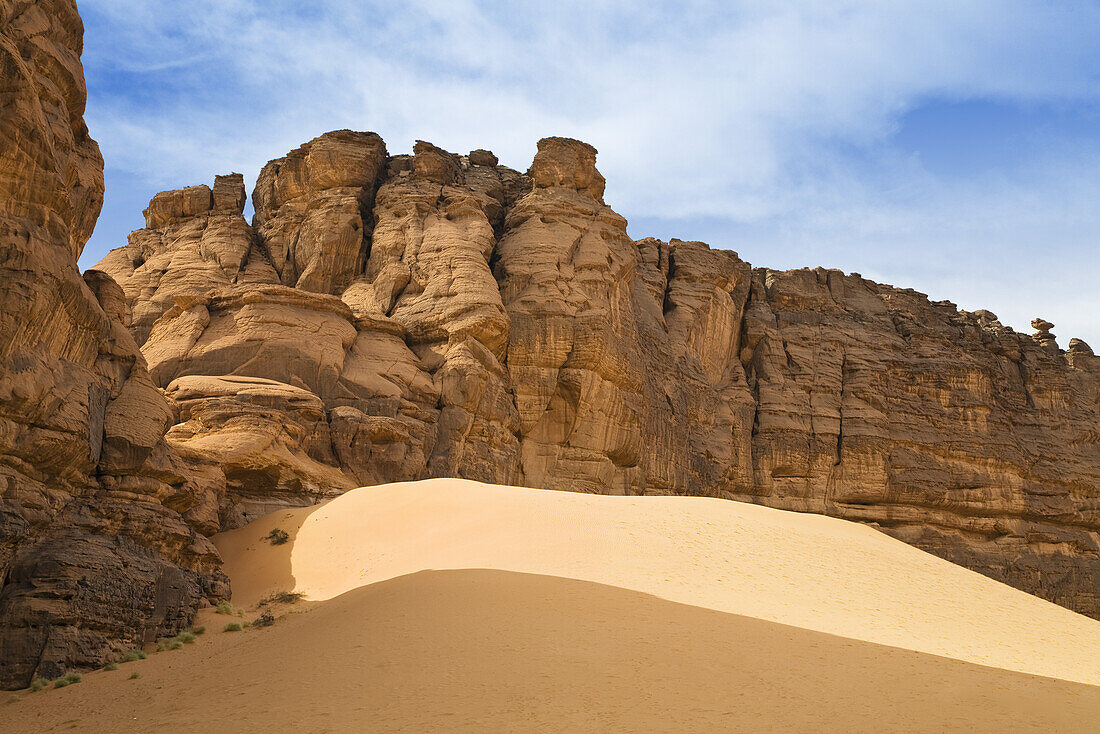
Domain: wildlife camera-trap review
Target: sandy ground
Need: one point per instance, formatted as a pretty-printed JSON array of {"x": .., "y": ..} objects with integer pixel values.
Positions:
[{"x": 455, "y": 606}]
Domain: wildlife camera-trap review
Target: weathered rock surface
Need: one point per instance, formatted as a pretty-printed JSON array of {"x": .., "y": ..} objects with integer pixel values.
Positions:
[
  {"x": 94, "y": 553},
  {"x": 948, "y": 431},
  {"x": 567, "y": 269},
  {"x": 270, "y": 439},
  {"x": 313, "y": 209},
  {"x": 504, "y": 327}
]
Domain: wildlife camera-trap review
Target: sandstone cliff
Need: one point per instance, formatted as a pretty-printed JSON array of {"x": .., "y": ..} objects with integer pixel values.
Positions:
[
  {"x": 396, "y": 317},
  {"x": 94, "y": 554},
  {"x": 390, "y": 317}
]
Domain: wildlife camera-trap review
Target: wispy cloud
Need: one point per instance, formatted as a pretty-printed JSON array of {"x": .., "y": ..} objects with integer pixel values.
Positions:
[{"x": 770, "y": 129}]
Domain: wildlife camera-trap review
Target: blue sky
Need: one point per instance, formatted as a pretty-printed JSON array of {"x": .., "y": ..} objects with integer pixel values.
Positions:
[{"x": 951, "y": 147}]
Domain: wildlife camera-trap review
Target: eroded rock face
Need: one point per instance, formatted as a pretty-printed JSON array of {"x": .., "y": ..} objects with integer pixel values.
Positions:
[
  {"x": 313, "y": 209},
  {"x": 95, "y": 555},
  {"x": 567, "y": 268},
  {"x": 941, "y": 427},
  {"x": 504, "y": 327},
  {"x": 270, "y": 439}
]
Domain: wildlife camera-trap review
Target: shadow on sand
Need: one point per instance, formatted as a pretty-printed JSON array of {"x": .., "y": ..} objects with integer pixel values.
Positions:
[
  {"x": 257, "y": 565},
  {"x": 488, "y": 650}
]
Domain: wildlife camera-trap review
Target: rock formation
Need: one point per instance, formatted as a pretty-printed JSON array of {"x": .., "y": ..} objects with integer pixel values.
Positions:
[
  {"x": 395, "y": 317},
  {"x": 95, "y": 555},
  {"x": 392, "y": 317}
]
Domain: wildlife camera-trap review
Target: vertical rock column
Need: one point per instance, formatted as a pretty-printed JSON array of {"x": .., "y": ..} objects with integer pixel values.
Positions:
[
  {"x": 699, "y": 411},
  {"x": 429, "y": 267},
  {"x": 566, "y": 269},
  {"x": 194, "y": 240},
  {"x": 313, "y": 209}
]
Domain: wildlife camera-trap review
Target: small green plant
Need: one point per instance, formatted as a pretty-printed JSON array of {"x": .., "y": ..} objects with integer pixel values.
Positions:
[
  {"x": 13, "y": 698},
  {"x": 277, "y": 536},
  {"x": 172, "y": 644},
  {"x": 133, "y": 655},
  {"x": 224, "y": 607},
  {"x": 38, "y": 684},
  {"x": 111, "y": 666},
  {"x": 264, "y": 620},
  {"x": 232, "y": 627},
  {"x": 67, "y": 680},
  {"x": 134, "y": 675},
  {"x": 185, "y": 637},
  {"x": 281, "y": 597},
  {"x": 198, "y": 630}
]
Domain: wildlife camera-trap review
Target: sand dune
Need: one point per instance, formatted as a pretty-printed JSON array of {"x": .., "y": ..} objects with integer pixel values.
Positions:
[
  {"x": 498, "y": 651},
  {"x": 807, "y": 571},
  {"x": 455, "y": 606}
]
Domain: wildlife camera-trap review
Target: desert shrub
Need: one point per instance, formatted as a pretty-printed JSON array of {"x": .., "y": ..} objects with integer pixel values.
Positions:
[
  {"x": 111, "y": 666},
  {"x": 281, "y": 597},
  {"x": 67, "y": 680},
  {"x": 197, "y": 630},
  {"x": 277, "y": 536},
  {"x": 264, "y": 620},
  {"x": 185, "y": 637},
  {"x": 13, "y": 698},
  {"x": 232, "y": 627},
  {"x": 134, "y": 675},
  {"x": 133, "y": 655},
  {"x": 224, "y": 607},
  {"x": 38, "y": 684}
]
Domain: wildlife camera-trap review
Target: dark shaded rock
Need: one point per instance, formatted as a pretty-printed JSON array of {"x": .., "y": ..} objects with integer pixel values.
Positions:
[{"x": 483, "y": 158}]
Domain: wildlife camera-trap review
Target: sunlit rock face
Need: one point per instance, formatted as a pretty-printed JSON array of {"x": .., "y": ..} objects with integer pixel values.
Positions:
[
  {"x": 449, "y": 316},
  {"x": 392, "y": 317}
]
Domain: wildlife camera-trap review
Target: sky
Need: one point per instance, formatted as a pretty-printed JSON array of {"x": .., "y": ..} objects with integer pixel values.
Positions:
[{"x": 951, "y": 147}]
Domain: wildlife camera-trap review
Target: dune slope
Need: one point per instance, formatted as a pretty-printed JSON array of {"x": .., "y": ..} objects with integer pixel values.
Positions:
[
  {"x": 808, "y": 571},
  {"x": 448, "y": 605}
]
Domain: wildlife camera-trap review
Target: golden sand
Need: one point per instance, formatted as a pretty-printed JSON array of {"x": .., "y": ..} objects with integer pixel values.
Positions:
[{"x": 448, "y": 605}]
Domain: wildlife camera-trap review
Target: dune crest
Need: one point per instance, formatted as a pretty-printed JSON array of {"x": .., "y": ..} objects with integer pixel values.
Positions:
[{"x": 807, "y": 571}]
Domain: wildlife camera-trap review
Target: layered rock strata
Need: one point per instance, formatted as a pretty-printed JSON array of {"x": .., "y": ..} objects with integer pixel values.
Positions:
[
  {"x": 96, "y": 553},
  {"x": 443, "y": 315}
]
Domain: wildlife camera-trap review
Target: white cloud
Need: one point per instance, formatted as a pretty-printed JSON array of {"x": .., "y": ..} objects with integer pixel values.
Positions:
[{"x": 745, "y": 113}]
